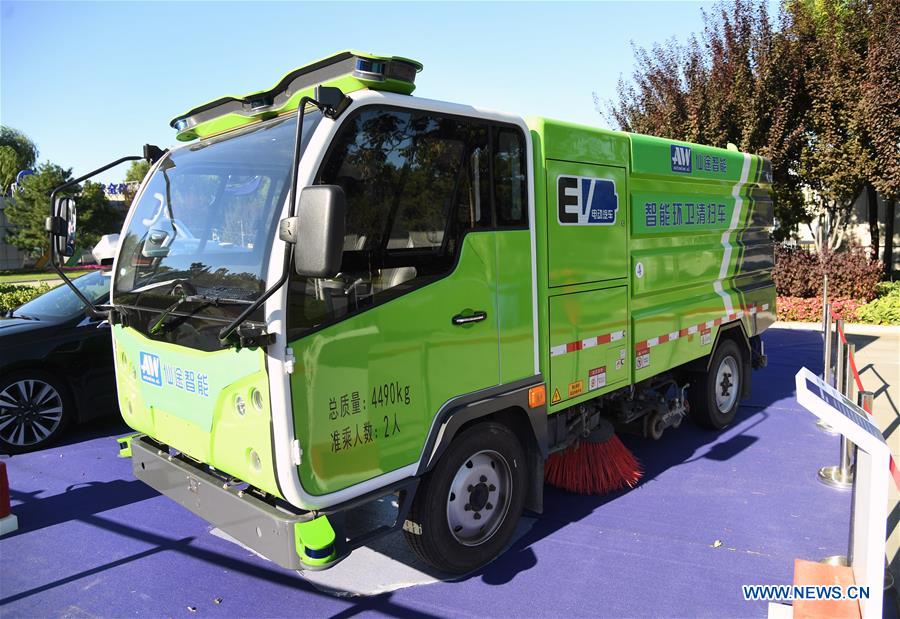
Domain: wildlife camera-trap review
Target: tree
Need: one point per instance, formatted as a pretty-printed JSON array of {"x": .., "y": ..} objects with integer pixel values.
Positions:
[
  {"x": 740, "y": 81},
  {"x": 17, "y": 153},
  {"x": 881, "y": 115},
  {"x": 137, "y": 170},
  {"x": 135, "y": 174},
  {"x": 96, "y": 215},
  {"x": 27, "y": 210},
  {"x": 834, "y": 160}
]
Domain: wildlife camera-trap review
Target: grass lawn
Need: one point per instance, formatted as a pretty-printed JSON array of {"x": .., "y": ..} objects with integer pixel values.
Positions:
[{"x": 12, "y": 277}]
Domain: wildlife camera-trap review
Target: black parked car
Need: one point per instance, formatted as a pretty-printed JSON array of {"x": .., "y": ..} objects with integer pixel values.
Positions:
[{"x": 56, "y": 365}]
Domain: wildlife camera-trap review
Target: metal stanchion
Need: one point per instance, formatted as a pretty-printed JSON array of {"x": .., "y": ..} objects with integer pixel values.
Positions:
[
  {"x": 841, "y": 475},
  {"x": 825, "y": 271},
  {"x": 828, "y": 372},
  {"x": 829, "y": 337}
]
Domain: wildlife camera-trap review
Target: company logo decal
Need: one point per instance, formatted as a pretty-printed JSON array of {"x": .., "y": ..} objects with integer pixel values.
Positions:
[
  {"x": 150, "y": 371},
  {"x": 585, "y": 201},
  {"x": 681, "y": 158},
  {"x": 184, "y": 379}
]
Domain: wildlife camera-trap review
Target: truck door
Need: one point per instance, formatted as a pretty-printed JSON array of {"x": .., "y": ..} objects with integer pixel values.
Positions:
[{"x": 411, "y": 321}]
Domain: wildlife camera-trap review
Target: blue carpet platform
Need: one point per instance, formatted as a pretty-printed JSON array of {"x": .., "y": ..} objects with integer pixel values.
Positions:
[{"x": 713, "y": 512}]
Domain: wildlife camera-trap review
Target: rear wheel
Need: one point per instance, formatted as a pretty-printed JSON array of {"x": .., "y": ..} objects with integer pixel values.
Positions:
[
  {"x": 717, "y": 393},
  {"x": 467, "y": 507},
  {"x": 34, "y": 411}
]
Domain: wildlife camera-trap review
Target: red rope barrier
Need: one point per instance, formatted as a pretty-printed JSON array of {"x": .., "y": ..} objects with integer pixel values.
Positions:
[{"x": 835, "y": 316}]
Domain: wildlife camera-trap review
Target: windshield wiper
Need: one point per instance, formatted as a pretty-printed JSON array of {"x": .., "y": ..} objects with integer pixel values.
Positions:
[
  {"x": 13, "y": 314},
  {"x": 204, "y": 300}
]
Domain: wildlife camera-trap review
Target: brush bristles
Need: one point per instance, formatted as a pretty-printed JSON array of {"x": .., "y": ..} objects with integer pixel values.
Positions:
[{"x": 593, "y": 468}]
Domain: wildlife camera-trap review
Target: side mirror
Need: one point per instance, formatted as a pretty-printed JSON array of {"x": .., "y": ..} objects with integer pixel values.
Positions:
[
  {"x": 64, "y": 225},
  {"x": 317, "y": 231}
]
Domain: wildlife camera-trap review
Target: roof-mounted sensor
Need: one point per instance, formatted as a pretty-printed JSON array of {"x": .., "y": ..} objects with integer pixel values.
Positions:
[{"x": 349, "y": 71}]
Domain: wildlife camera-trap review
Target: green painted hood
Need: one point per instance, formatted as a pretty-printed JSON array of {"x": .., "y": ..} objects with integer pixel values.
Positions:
[{"x": 212, "y": 406}]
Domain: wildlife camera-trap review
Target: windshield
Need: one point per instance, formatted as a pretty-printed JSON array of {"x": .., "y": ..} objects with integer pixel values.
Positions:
[
  {"x": 61, "y": 302},
  {"x": 208, "y": 218}
]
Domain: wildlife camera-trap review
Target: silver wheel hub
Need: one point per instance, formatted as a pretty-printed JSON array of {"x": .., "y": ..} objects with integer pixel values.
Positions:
[
  {"x": 30, "y": 411},
  {"x": 727, "y": 387},
  {"x": 479, "y": 497}
]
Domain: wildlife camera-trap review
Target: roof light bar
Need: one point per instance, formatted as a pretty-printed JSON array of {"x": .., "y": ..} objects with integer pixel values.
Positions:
[{"x": 347, "y": 70}]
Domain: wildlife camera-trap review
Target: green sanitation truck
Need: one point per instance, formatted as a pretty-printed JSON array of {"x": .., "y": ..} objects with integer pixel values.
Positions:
[{"x": 332, "y": 292}]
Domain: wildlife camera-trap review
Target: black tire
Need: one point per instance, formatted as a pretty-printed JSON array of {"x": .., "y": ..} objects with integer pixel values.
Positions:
[
  {"x": 35, "y": 410},
  {"x": 716, "y": 394},
  {"x": 482, "y": 454}
]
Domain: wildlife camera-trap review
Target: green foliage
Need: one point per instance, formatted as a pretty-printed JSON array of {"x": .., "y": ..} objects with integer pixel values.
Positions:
[
  {"x": 96, "y": 216},
  {"x": 137, "y": 171},
  {"x": 12, "y": 296},
  {"x": 28, "y": 209},
  {"x": 135, "y": 174},
  {"x": 834, "y": 159},
  {"x": 17, "y": 153},
  {"x": 885, "y": 310}
]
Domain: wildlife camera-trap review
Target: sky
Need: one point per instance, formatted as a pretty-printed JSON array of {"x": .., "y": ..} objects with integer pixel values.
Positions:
[{"x": 93, "y": 81}]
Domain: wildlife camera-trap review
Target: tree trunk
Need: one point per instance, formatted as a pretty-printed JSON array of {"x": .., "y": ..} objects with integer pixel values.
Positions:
[
  {"x": 889, "y": 206},
  {"x": 872, "y": 211}
]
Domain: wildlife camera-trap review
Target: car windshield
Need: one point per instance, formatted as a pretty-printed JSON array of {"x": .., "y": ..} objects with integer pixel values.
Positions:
[
  {"x": 61, "y": 302},
  {"x": 207, "y": 218}
]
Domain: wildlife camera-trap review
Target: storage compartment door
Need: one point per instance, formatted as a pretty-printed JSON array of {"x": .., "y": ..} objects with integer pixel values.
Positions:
[
  {"x": 588, "y": 344},
  {"x": 586, "y": 223}
]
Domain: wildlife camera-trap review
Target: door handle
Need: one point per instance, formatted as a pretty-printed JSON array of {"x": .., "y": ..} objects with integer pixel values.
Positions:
[{"x": 459, "y": 319}]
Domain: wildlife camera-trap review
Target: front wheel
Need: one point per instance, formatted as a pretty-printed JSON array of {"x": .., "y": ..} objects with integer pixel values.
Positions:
[
  {"x": 716, "y": 396},
  {"x": 467, "y": 507}
]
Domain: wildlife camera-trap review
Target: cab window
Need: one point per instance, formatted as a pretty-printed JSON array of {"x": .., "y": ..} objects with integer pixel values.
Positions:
[{"x": 415, "y": 183}]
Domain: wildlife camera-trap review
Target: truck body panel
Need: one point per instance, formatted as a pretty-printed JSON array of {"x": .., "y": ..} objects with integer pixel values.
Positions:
[{"x": 685, "y": 228}]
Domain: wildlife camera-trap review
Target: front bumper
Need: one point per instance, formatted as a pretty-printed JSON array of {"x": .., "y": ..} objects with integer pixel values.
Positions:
[{"x": 264, "y": 528}]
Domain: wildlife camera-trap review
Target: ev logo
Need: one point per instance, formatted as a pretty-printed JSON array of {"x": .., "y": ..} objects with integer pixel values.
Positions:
[
  {"x": 150, "y": 370},
  {"x": 584, "y": 201},
  {"x": 681, "y": 158}
]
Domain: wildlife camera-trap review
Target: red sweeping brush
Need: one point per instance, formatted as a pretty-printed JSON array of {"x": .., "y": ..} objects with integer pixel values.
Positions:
[{"x": 596, "y": 464}]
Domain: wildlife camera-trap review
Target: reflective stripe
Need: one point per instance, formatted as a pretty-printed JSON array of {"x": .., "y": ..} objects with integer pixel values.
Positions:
[
  {"x": 590, "y": 342},
  {"x": 709, "y": 324}
]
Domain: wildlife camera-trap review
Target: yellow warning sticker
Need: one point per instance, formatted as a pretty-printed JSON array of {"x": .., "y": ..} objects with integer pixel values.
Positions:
[
  {"x": 556, "y": 397},
  {"x": 576, "y": 388}
]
